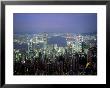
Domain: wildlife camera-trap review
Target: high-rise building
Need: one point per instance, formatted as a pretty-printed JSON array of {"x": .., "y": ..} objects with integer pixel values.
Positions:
[
  {"x": 78, "y": 43},
  {"x": 45, "y": 37},
  {"x": 30, "y": 49},
  {"x": 69, "y": 39}
]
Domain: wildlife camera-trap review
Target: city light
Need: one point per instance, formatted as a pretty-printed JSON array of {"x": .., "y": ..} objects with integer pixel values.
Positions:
[{"x": 36, "y": 56}]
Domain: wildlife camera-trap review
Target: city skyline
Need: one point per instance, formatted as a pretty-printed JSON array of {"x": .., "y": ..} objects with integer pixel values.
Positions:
[
  {"x": 55, "y": 44},
  {"x": 55, "y": 22}
]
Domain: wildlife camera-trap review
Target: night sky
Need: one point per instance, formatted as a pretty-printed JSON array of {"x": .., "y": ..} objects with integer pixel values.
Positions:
[{"x": 55, "y": 22}]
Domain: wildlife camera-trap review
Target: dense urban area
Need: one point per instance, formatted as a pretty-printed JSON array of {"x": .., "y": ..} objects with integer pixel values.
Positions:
[{"x": 55, "y": 54}]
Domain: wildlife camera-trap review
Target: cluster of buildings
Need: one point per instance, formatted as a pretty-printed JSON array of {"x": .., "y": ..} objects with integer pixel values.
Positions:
[{"x": 71, "y": 58}]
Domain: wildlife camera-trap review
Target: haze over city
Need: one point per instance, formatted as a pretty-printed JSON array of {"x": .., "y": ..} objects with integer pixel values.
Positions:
[{"x": 55, "y": 22}]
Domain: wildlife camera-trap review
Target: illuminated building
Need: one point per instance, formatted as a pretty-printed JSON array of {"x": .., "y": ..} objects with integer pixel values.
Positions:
[
  {"x": 45, "y": 35},
  {"x": 30, "y": 49},
  {"x": 70, "y": 44},
  {"x": 69, "y": 39},
  {"x": 78, "y": 43}
]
